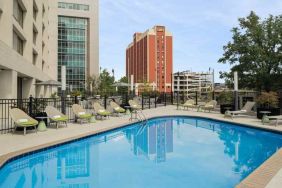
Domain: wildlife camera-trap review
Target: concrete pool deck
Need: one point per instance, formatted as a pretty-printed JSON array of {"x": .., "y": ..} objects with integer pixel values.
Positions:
[{"x": 12, "y": 145}]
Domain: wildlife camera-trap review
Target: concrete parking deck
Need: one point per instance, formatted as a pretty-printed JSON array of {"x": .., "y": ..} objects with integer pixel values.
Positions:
[{"x": 15, "y": 144}]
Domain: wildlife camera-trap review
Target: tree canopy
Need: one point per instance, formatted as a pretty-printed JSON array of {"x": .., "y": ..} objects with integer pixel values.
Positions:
[
  {"x": 106, "y": 82},
  {"x": 123, "y": 79},
  {"x": 255, "y": 52}
]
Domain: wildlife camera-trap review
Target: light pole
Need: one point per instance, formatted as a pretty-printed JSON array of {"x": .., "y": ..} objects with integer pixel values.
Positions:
[
  {"x": 178, "y": 86},
  {"x": 213, "y": 97},
  {"x": 236, "y": 90},
  {"x": 63, "y": 79}
]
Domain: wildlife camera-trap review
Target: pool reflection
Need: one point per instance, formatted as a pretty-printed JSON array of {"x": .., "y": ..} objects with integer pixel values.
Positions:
[
  {"x": 153, "y": 140},
  {"x": 185, "y": 145},
  {"x": 242, "y": 145},
  {"x": 75, "y": 165}
]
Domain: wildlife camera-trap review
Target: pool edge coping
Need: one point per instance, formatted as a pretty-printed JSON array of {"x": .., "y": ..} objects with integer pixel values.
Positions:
[{"x": 268, "y": 167}]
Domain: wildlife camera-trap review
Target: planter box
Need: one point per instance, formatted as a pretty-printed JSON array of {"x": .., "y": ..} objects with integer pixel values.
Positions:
[
  {"x": 274, "y": 111},
  {"x": 225, "y": 107}
]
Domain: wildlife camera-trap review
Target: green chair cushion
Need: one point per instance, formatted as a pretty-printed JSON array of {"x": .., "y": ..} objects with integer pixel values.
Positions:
[
  {"x": 28, "y": 123},
  {"x": 120, "y": 110},
  {"x": 103, "y": 113},
  {"x": 62, "y": 118},
  {"x": 85, "y": 116}
]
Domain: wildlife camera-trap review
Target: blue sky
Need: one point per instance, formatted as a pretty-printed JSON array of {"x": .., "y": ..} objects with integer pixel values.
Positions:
[{"x": 200, "y": 28}]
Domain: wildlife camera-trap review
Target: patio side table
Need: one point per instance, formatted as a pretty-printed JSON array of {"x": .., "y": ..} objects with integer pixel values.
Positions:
[
  {"x": 127, "y": 111},
  {"x": 41, "y": 126},
  {"x": 265, "y": 118}
]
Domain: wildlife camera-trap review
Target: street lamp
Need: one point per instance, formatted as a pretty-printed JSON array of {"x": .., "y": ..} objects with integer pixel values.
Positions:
[
  {"x": 212, "y": 81},
  {"x": 236, "y": 89},
  {"x": 178, "y": 86}
]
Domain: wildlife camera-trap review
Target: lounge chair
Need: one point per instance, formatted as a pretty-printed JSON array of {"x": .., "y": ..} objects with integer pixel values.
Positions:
[
  {"x": 116, "y": 108},
  {"x": 277, "y": 118},
  {"x": 245, "y": 110},
  {"x": 100, "y": 111},
  {"x": 189, "y": 104},
  {"x": 21, "y": 119},
  {"x": 81, "y": 113},
  {"x": 134, "y": 105},
  {"x": 210, "y": 105},
  {"x": 56, "y": 116}
]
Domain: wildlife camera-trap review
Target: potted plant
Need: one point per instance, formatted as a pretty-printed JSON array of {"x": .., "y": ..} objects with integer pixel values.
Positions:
[
  {"x": 268, "y": 101},
  {"x": 225, "y": 99}
]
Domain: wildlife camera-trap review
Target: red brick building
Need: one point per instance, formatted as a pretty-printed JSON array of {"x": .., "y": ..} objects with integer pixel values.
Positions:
[{"x": 149, "y": 58}]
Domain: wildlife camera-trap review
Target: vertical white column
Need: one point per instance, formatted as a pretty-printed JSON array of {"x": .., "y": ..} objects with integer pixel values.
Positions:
[
  {"x": 8, "y": 82},
  {"x": 236, "y": 89},
  {"x": 131, "y": 82},
  {"x": 235, "y": 81},
  {"x": 63, "y": 77}
]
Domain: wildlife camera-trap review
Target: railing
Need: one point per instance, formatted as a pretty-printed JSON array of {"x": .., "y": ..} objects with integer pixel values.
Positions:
[
  {"x": 35, "y": 107},
  {"x": 32, "y": 106}
]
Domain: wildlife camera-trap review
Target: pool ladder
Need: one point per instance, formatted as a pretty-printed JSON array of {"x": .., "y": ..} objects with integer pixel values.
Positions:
[
  {"x": 141, "y": 116},
  {"x": 143, "y": 119}
]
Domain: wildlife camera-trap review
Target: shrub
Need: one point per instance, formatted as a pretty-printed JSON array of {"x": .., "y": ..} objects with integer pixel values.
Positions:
[
  {"x": 267, "y": 99},
  {"x": 225, "y": 97}
]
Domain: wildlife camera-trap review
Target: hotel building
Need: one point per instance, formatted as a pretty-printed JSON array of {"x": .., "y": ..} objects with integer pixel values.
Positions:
[
  {"x": 149, "y": 58},
  {"x": 38, "y": 36},
  {"x": 78, "y": 41}
]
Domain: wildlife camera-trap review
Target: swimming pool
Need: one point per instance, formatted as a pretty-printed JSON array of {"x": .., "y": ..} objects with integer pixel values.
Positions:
[{"x": 167, "y": 152}]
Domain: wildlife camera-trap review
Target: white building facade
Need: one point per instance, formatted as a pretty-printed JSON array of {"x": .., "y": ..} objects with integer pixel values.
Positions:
[
  {"x": 29, "y": 44},
  {"x": 189, "y": 82}
]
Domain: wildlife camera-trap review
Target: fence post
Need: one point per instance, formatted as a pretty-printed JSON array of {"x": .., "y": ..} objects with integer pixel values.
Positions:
[
  {"x": 149, "y": 101},
  {"x": 177, "y": 100},
  {"x": 63, "y": 102},
  {"x": 142, "y": 101},
  {"x": 75, "y": 100},
  {"x": 105, "y": 101},
  {"x": 165, "y": 98},
  {"x": 171, "y": 98},
  {"x": 196, "y": 97},
  {"x": 126, "y": 99},
  {"x": 30, "y": 110},
  {"x": 155, "y": 100}
]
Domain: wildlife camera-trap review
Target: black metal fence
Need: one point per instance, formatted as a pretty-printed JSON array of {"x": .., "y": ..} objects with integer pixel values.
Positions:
[{"x": 35, "y": 107}]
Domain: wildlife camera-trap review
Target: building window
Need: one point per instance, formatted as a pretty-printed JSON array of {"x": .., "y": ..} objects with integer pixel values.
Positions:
[
  {"x": 34, "y": 57},
  {"x": 43, "y": 11},
  {"x": 43, "y": 65},
  {"x": 34, "y": 35},
  {"x": 73, "y": 6},
  {"x": 72, "y": 50},
  {"x": 18, "y": 12},
  {"x": 17, "y": 43},
  {"x": 35, "y": 10},
  {"x": 43, "y": 47}
]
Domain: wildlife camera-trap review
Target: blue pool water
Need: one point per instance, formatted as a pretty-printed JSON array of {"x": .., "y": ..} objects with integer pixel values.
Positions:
[{"x": 167, "y": 152}]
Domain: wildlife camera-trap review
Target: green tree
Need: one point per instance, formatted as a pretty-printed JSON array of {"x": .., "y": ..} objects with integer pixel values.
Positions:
[
  {"x": 93, "y": 83},
  {"x": 106, "y": 82},
  {"x": 255, "y": 52},
  {"x": 123, "y": 79}
]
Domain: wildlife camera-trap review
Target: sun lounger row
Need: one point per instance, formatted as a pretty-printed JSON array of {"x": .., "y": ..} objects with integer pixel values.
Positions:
[
  {"x": 209, "y": 106},
  {"x": 21, "y": 119}
]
